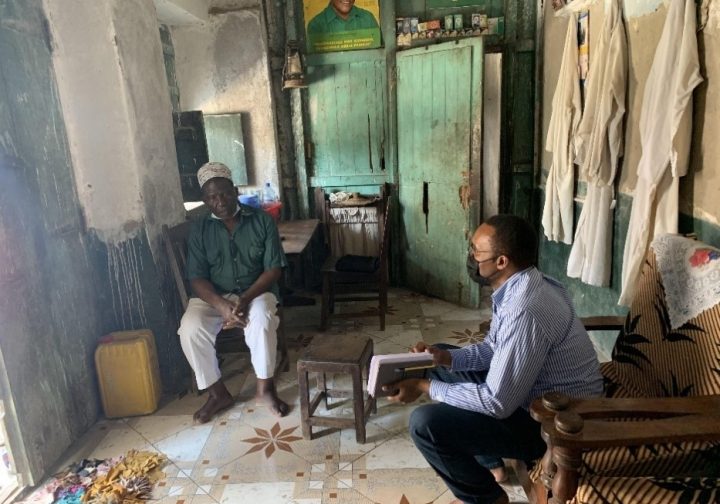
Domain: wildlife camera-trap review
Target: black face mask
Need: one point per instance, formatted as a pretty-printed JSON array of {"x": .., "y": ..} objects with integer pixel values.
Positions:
[{"x": 474, "y": 273}]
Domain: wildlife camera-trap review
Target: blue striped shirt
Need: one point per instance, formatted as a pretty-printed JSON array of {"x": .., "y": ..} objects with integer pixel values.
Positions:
[{"x": 535, "y": 344}]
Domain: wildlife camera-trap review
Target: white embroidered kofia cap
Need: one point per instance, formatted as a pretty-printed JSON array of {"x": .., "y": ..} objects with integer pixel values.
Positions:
[{"x": 213, "y": 170}]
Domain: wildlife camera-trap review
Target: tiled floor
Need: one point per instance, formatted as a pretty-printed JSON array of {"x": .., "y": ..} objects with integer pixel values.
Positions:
[{"x": 248, "y": 456}]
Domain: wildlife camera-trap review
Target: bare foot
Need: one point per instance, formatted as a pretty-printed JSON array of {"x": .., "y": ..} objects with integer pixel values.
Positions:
[
  {"x": 276, "y": 405},
  {"x": 499, "y": 474},
  {"x": 218, "y": 399},
  {"x": 267, "y": 394}
]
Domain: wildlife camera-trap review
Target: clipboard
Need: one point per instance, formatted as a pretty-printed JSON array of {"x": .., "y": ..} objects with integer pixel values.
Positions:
[{"x": 389, "y": 368}]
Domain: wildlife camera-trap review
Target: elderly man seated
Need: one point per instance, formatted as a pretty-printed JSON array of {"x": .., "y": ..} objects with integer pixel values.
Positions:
[{"x": 234, "y": 262}]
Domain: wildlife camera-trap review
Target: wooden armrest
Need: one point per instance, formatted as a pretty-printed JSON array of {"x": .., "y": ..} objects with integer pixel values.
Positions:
[
  {"x": 603, "y": 323},
  {"x": 602, "y": 434},
  {"x": 632, "y": 407},
  {"x": 671, "y": 419}
]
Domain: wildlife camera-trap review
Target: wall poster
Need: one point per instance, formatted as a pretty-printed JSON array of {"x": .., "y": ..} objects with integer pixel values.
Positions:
[{"x": 342, "y": 25}]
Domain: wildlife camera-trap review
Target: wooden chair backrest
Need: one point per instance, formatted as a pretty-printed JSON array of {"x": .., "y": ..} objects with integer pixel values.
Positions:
[
  {"x": 384, "y": 223},
  {"x": 322, "y": 212},
  {"x": 175, "y": 240}
]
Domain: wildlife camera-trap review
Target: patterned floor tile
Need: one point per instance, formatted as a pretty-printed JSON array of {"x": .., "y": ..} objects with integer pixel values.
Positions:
[
  {"x": 455, "y": 333},
  {"x": 259, "y": 467},
  {"x": 178, "y": 486},
  {"x": 393, "y": 417},
  {"x": 279, "y": 492},
  {"x": 445, "y": 498},
  {"x": 203, "y": 499},
  {"x": 467, "y": 314},
  {"x": 406, "y": 338},
  {"x": 390, "y": 331},
  {"x": 117, "y": 442},
  {"x": 394, "y": 486},
  {"x": 436, "y": 307},
  {"x": 398, "y": 452},
  {"x": 388, "y": 347},
  {"x": 246, "y": 454},
  {"x": 155, "y": 428},
  {"x": 184, "y": 447}
]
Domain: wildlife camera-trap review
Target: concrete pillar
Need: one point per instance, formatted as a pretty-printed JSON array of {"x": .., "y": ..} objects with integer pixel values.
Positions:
[{"x": 109, "y": 68}]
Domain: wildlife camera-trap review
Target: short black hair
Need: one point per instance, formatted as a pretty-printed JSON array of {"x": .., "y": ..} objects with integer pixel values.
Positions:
[{"x": 514, "y": 238}]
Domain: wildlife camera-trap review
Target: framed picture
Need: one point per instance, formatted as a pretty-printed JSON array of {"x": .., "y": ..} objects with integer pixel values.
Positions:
[{"x": 342, "y": 25}]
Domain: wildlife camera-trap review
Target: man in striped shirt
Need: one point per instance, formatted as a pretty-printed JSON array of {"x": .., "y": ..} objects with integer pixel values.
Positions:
[{"x": 535, "y": 344}]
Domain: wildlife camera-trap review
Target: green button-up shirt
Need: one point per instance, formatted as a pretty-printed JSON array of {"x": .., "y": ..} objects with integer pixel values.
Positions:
[
  {"x": 327, "y": 21},
  {"x": 232, "y": 263}
]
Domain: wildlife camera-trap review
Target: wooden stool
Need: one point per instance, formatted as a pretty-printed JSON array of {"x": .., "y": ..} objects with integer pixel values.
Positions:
[{"x": 336, "y": 354}]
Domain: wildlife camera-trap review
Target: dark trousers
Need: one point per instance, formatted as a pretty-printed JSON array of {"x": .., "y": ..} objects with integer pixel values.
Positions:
[{"x": 462, "y": 445}]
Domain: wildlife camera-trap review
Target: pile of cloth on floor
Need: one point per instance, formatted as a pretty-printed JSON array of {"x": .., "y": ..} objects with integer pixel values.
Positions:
[{"x": 127, "y": 479}]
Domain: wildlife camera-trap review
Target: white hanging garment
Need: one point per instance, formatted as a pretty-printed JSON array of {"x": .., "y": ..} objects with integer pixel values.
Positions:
[
  {"x": 599, "y": 145},
  {"x": 665, "y": 131},
  {"x": 557, "y": 218}
]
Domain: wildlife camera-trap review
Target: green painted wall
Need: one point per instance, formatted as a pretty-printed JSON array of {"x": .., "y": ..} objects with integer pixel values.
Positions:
[{"x": 590, "y": 300}]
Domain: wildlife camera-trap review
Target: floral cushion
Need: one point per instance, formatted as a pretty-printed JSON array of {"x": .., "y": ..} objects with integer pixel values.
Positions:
[
  {"x": 650, "y": 359},
  {"x": 657, "y": 361}
]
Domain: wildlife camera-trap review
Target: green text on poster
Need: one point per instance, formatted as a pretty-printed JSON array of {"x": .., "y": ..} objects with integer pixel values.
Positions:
[{"x": 342, "y": 25}]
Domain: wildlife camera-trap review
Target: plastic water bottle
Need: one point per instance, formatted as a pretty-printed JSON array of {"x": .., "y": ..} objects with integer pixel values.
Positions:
[{"x": 269, "y": 194}]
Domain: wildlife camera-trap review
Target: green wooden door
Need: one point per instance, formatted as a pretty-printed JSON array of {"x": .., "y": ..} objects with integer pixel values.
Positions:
[
  {"x": 347, "y": 111},
  {"x": 439, "y": 92}
]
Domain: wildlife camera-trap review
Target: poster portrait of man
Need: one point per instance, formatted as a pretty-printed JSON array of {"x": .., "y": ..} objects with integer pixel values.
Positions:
[{"x": 341, "y": 25}]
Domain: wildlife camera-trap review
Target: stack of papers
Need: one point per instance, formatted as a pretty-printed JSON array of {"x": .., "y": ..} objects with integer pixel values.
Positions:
[{"x": 389, "y": 368}]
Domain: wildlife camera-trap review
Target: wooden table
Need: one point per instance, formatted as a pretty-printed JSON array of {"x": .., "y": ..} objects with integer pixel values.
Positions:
[{"x": 296, "y": 237}]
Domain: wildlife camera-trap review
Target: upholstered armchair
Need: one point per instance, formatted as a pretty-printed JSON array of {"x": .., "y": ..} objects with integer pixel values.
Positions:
[{"x": 655, "y": 436}]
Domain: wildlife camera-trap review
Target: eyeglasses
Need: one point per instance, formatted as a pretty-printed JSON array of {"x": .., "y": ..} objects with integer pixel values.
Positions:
[{"x": 476, "y": 253}]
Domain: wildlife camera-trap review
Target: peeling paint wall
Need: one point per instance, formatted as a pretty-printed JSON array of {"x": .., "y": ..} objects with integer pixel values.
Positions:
[
  {"x": 222, "y": 67},
  {"x": 117, "y": 110},
  {"x": 87, "y": 178},
  {"x": 699, "y": 190},
  {"x": 116, "y": 105},
  {"x": 49, "y": 317}
]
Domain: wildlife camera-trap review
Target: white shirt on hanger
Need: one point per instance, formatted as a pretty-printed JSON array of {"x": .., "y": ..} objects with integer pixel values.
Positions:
[
  {"x": 599, "y": 145},
  {"x": 665, "y": 133},
  {"x": 557, "y": 218}
]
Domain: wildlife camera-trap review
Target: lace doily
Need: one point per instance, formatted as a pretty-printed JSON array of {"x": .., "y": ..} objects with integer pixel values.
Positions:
[{"x": 690, "y": 272}]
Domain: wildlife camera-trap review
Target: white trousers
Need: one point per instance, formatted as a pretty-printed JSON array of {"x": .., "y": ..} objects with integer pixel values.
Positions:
[{"x": 201, "y": 323}]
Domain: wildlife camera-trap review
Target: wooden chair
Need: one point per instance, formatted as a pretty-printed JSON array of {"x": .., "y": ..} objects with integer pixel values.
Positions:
[
  {"x": 655, "y": 435},
  {"x": 230, "y": 341},
  {"x": 341, "y": 285}
]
